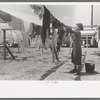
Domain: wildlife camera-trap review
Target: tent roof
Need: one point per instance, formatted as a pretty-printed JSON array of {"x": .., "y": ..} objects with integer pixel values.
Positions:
[{"x": 24, "y": 12}]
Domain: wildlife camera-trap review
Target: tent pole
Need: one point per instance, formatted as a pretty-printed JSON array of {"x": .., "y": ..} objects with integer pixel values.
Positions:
[
  {"x": 13, "y": 40},
  {"x": 4, "y": 41},
  {"x": 9, "y": 51},
  {"x": 18, "y": 39},
  {"x": 53, "y": 60}
]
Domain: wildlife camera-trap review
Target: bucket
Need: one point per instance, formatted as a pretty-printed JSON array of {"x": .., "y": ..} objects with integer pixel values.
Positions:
[{"x": 89, "y": 67}]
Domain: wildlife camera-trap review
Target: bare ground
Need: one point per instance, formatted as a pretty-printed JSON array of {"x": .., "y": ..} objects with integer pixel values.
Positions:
[{"x": 35, "y": 65}]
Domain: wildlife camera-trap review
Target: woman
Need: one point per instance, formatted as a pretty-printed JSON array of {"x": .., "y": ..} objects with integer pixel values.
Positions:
[{"x": 76, "y": 52}]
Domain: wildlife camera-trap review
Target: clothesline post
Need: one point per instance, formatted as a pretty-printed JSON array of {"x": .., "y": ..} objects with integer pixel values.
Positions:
[{"x": 5, "y": 46}]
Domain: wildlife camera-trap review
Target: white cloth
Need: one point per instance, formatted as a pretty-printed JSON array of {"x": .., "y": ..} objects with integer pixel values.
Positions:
[
  {"x": 99, "y": 44},
  {"x": 24, "y": 12}
]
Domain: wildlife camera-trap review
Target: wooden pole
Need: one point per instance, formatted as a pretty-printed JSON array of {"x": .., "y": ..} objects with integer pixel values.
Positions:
[
  {"x": 92, "y": 16},
  {"x": 9, "y": 51},
  {"x": 4, "y": 43},
  {"x": 12, "y": 40},
  {"x": 17, "y": 39}
]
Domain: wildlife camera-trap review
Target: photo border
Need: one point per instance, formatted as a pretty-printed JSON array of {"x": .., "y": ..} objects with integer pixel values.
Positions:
[{"x": 38, "y": 89}]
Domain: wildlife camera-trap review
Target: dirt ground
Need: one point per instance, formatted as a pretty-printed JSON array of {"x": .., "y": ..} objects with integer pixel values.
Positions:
[{"x": 37, "y": 66}]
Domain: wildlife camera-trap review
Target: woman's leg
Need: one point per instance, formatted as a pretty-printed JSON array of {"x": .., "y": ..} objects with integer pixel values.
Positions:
[
  {"x": 78, "y": 69},
  {"x": 75, "y": 67}
]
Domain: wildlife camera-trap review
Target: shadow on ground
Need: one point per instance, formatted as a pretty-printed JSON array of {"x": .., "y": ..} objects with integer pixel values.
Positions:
[
  {"x": 78, "y": 78},
  {"x": 87, "y": 74},
  {"x": 24, "y": 58},
  {"x": 52, "y": 70}
]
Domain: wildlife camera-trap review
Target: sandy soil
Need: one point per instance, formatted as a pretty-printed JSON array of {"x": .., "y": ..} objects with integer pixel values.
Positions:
[{"x": 35, "y": 65}]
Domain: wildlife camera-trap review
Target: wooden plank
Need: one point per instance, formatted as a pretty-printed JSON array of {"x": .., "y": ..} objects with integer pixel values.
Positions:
[
  {"x": 9, "y": 52},
  {"x": 91, "y": 16},
  {"x": 5, "y": 46}
]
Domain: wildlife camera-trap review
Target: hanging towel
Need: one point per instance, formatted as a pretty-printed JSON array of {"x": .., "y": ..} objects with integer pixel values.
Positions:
[{"x": 46, "y": 23}]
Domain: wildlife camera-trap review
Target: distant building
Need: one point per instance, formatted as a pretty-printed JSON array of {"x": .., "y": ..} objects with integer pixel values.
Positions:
[{"x": 87, "y": 35}]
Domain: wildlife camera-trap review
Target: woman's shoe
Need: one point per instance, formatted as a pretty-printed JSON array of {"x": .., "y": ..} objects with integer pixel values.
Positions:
[
  {"x": 73, "y": 71},
  {"x": 78, "y": 73}
]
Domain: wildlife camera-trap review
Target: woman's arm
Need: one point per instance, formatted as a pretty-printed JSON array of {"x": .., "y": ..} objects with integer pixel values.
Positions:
[{"x": 69, "y": 29}]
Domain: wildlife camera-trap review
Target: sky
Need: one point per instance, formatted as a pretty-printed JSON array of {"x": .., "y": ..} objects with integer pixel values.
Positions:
[
  {"x": 72, "y": 14},
  {"x": 96, "y": 14}
]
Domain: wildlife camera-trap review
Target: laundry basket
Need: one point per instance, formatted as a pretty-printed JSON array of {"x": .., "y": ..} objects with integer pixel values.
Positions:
[{"x": 89, "y": 67}]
